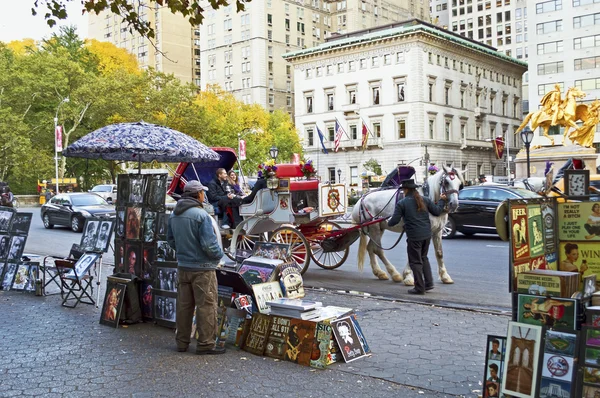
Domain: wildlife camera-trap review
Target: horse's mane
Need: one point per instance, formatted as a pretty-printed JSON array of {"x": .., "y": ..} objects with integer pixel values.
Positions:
[{"x": 434, "y": 183}]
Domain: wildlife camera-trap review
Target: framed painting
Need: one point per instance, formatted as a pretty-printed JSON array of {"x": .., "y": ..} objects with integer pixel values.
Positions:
[
  {"x": 165, "y": 304},
  {"x": 4, "y": 246},
  {"x": 113, "y": 303},
  {"x": 105, "y": 230},
  {"x": 120, "y": 228},
  {"x": 149, "y": 226},
  {"x": 133, "y": 223},
  {"x": 122, "y": 189},
  {"x": 494, "y": 361},
  {"x": 156, "y": 192},
  {"x": 133, "y": 258},
  {"x": 522, "y": 360},
  {"x": 25, "y": 277},
  {"x": 136, "y": 189},
  {"x": 90, "y": 234},
  {"x": 164, "y": 252},
  {"x": 21, "y": 223},
  {"x": 549, "y": 312},
  {"x": 84, "y": 264},
  {"x": 8, "y": 276},
  {"x": 146, "y": 300},
  {"x": 558, "y": 364},
  {"x": 577, "y": 183},
  {"x": 6, "y": 216},
  {"x": 17, "y": 244}
]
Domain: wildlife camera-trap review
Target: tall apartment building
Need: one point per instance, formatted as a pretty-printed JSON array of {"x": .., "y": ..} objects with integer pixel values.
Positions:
[
  {"x": 175, "y": 38},
  {"x": 242, "y": 52},
  {"x": 565, "y": 49}
]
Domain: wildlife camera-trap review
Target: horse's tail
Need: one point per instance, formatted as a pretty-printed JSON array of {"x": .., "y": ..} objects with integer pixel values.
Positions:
[{"x": 362, "y": 249}]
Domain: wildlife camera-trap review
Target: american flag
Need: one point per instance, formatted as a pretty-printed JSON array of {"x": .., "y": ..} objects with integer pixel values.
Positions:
[{"x": 339, "y": 130}]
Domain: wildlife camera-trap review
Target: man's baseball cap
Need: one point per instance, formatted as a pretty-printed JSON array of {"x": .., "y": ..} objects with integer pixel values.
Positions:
[{"x": 194, "y": 187}]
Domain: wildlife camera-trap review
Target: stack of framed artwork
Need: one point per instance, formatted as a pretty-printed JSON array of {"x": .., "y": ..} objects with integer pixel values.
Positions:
[
  {"x": 14, "y": 273},
  {"x": 140, "y": 239}
]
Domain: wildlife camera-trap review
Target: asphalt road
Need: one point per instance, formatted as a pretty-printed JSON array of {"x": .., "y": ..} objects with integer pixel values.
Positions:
[{"x": 478, "y": 265}]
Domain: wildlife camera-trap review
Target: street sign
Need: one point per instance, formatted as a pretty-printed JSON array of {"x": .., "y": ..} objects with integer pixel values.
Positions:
[{"x": 242, "y": 150}]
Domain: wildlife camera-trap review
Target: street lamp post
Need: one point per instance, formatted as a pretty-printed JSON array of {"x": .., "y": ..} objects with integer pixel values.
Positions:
[
  {"x": 274, "y": 152},
  {"x": 527, "y": 137},
  {"x": 64, "y": 100},
  {"x": 339, "y": 171}
]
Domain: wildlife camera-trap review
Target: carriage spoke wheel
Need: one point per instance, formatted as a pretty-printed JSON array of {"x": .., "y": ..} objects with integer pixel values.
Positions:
[
  {"x": 299, "y": 248},
  {"x": 327, "y": 260},
  {"x": 244, "y": 242}
]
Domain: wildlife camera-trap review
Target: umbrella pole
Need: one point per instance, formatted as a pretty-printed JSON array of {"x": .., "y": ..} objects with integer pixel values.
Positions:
[
  {"x": 140, "y": 166},
  {"x": 195, "y": 172}
]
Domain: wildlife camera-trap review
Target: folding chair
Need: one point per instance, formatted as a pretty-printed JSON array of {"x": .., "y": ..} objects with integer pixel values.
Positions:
[
  {"x": 79, "y": 288},
  {"x": 49, "y": 267}
]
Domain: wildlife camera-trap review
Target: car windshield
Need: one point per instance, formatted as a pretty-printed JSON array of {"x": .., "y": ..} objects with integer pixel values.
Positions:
[
  {"x": 102, "y": 188},
  {"x": 87, "y": 200}
]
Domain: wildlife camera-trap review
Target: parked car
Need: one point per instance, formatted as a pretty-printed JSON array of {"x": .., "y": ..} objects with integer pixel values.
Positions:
[
  {"x": 477, "y": 208},
  {"x": 71, "y": 209},
  {"x": 107, "y": 191}
]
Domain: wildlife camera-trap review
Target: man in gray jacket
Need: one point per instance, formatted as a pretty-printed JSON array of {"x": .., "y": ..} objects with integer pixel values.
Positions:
[{"x": 191, "y": 234}]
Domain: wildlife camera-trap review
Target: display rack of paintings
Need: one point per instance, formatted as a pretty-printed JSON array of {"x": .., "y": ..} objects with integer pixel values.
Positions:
[{"x": 14, "y": 274}]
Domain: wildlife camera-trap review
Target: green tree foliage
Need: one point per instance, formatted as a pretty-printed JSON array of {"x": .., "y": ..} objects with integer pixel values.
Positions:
[
  {"x": 373, "y": 166},
  {"x": 104, "y": 85}
]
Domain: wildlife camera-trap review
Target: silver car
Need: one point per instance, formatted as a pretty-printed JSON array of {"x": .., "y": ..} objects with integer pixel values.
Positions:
[{"x": 107, "y": 192}]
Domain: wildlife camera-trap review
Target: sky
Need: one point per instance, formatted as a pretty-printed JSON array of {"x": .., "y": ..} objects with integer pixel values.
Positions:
[{"x": 17, "y": 23}]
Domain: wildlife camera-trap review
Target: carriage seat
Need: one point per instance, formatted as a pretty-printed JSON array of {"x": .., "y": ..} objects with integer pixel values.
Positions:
[
  {"x": 305, "y": 193},
  {"x": 265, "y": 199},
  {"x": 289, "y": 170}
]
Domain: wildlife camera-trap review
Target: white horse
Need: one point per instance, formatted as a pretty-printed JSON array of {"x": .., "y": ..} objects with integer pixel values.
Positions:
[{"x": 382, "y": 204}]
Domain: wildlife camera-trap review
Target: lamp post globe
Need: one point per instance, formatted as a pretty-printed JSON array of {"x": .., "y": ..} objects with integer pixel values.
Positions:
[
  {"x": 274, "y": 152},
  {"x": 339, "y": 172}
]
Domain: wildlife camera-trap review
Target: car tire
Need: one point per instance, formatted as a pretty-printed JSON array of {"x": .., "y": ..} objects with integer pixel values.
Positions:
[
  {"x": 47, "y": 223},
  {"x": 76, "y": 224},
  {"x": 449, "y": 230}
]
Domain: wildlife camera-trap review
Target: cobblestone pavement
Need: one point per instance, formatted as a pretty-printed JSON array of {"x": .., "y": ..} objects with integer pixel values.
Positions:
[{"x": 418, "y": 351}]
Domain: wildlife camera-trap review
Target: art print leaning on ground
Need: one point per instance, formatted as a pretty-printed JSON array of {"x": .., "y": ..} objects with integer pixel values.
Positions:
[
  {"x": 113, "y": 303},
  {"x": 494, "y": 362}
]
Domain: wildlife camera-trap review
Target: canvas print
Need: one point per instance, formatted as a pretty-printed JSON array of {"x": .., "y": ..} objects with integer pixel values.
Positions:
[
  {"x": 550, "y": 312},
  {"x": 133, "y": 258},
  {"x": 560, "y": 343},
  {"x": 551, "y": 388},
  {"x": 519, "y": 232},
  {"x": 590, "y": 391},
  {"x": 577, "y": 183},
  {"x": 558, "y": 367},
  {"x": 83, "y": 265},
  {"x": 136, "y": 189},
  {"x": 17, "y": 244},
  {"x": 164, "y": 308},
  {"x": 264, "y": 292},
  {"x": 120, "y": 256},
  {"x": 10, "y": 269},
  {"x": 4, "y": 246},
  {"x": 104, "y": 234},
  {"x": 149, "y": 226},
  {"x": 157, "y": 191},
  {"x": 5, "y": 219},
  {"x": 148, "y": 258},
  {"x": 164, "y": 252},
  {"x": 90, "y": 234},
  {"x": 273, "y": 251},
  {"x": 21, "y": 223},
  {"x": 146, "y": 300},
  {"x": 253, "y": 274},
  {"x": 166, "y": 279},
  {"x": 522, "y": 357},
  {"x": 299, "y": 340},
  {"x": 347, "y": 338},
  {"x": 579, "y": 221},
  {"x": 536, "y": 235},
  {"x": 23, "y": 279},
  {"x": 120, "y": 228},
  {"x": 592, "y": 337},
  {"x": 161, "y": 226},
  {"x": 133, "y": 225},
  {"x": 122, "y": 189},
  {"x": 113, "y": 303},
  {"x": 591, "y": 375}
]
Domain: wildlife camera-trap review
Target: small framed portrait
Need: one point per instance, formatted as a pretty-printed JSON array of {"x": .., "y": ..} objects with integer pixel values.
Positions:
[
  {"x": 4, "y": 246},
  {"x": 146, "y": 300},
  {"x": 149, "y": 226},
  {"x": 148, "y": 259},
  {"x": 104, "y": 234},
  {"x": 83, "y": 265},
  {"x": 8, "y": 276},
  {"x": 133, "y": 258},
  {"x": 577, "y": 183},
  {"x": 90, "y": 234},
  {"x": 347, "y": 338},
  {"x": 17, "y": 244},
  {"x": 6, "y": 215},
  {"x": 120, "y": 256},
  {"x": 21, "y": 223},
  {"x": 162, "y": 224},
  {"x": 166, "y": 279},
  {"x": 164, "y": 252},
  {"x": 273, "y": 251},
  {"x": 156, "y": 192},
  {"x": 120, "y": 221},
  {"x": 136, "y": 189},
  {"x": 113, "y": 302},
  {"x": 122, "y": 190},
  {"x": 165, "y": 305},
  {"x": 134, "y": 219},
  {"x": 25, "y": 277}
]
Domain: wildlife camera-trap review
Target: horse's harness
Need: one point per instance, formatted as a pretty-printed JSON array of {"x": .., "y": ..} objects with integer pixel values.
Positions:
[{"x": 451, "y": 174}]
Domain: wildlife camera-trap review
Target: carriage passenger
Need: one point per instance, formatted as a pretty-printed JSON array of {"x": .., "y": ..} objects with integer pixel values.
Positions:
[
  {"x": 232, "y": 179},
  {"x": 221, "y": 194}
]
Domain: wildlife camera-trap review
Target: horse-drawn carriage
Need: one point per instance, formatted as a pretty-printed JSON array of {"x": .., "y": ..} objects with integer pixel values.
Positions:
[{"x": 291, "y": 210}]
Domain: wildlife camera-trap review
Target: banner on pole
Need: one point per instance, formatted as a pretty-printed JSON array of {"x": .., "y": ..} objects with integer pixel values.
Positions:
[
  {"x": 58, "y": 138},
  {"x": 242, "y": 150},
  {"x": 498, "y": 147}
]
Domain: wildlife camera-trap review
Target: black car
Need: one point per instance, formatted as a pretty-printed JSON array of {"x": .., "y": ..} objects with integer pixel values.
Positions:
[
  {"x": 71, "y": 209},
  {"x": 477, "y": 208}
]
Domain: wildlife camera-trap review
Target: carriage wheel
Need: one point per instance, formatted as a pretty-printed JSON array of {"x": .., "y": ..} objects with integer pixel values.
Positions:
[
  {"x": 329, "y": 260},
  {"x": 299, "y": 248},
  {"x": 244, "y": 242}
]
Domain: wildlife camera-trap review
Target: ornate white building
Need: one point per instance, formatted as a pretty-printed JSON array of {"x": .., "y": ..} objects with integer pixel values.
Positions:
[{"x": 419, "y": 89}]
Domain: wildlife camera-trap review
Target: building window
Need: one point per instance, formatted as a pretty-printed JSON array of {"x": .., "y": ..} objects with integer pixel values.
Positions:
[
  {"x": 586, "y": 20},
  {"x": 549, "y": 48},
  {"x": 354, "y": 175},
  {"x": 330, "y": 101},
  {"x": 309, "y": 104},
  {"x": 319, "y": 71},
  {"x": 363, "y": 63},
  {"x": 552, "y": 67},
  {"x": 340, "y": 67},
  {"x": 374, "y": 62},
  {"x": 387, "y": 59},
  {"x": 549, "y": 27},
  {"x": 271, "y": 99},
  {"x": 431, "y": 129},
  {"x": 329, "y": 69},
  {"x": 331, "y": 173},
  {"x": 308, "y": 72},
  {"x": 271, "y": 84},
  {"x": 447, "y": 130},
  {"x": 331, "y": 133},
  {"x": 353, "y": 132},
  {"x": 577, "y": 3},
  {"x": 548, "y": 6},
  {"x": 269, "y": 19},
  {"x": 352, "y": 96},
  {"x": 375, "y": 91},
  {"x": 544, "y": 88},
  {"x": 478, "y": 132},
  {"x": 400, "y": 92},
  {"x": 587, "y": 63},
  {"x": 463, "y": 131},
  {"x": 492, "y": 100},
  {"x": 401, "y": 128},
  {"x": 351, "y": 66},
  {"x": 447, "y": 95},
  {"x": 503, "y": 106},
  {"x": 377, "y": 130},
  {"x": 462, "y": 98},
  {"x": 586, "y": 42},
  {"x": 588, "y": 84},
  {"x": 310, "y": 136},
  {"x": 288, "y": 70}
]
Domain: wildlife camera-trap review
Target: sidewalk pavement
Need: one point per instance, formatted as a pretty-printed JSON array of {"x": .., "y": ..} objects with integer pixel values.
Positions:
[{"x": 418, "y": 351}]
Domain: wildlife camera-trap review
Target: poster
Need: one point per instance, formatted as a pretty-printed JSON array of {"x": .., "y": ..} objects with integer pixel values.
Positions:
[
  {"x": 535, "y": 226},
  {"x": 579, "y": 221},
  {"x": 582, "y": 257},
  {"x": 527, "y": 265},
  {"x": 549, "y": 312},
  {"x": 519, "y": 232},
  {"x": 549, "y": 218}
]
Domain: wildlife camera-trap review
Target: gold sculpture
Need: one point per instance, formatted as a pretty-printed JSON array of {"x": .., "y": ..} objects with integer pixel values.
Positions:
[{"x": 558, "y": 112}]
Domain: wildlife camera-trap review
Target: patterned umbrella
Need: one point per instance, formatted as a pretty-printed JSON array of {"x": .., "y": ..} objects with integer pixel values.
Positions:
[{"x": 140, "y": 142}]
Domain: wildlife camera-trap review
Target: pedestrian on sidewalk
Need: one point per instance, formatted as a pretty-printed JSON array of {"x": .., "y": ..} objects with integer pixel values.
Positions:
[
  {"x": 415, "y": 209},
  {"x": 190, "y": 233}
]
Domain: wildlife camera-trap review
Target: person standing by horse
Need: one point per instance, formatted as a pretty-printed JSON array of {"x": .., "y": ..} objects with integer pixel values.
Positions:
[{"x": 415, "y": 209}]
